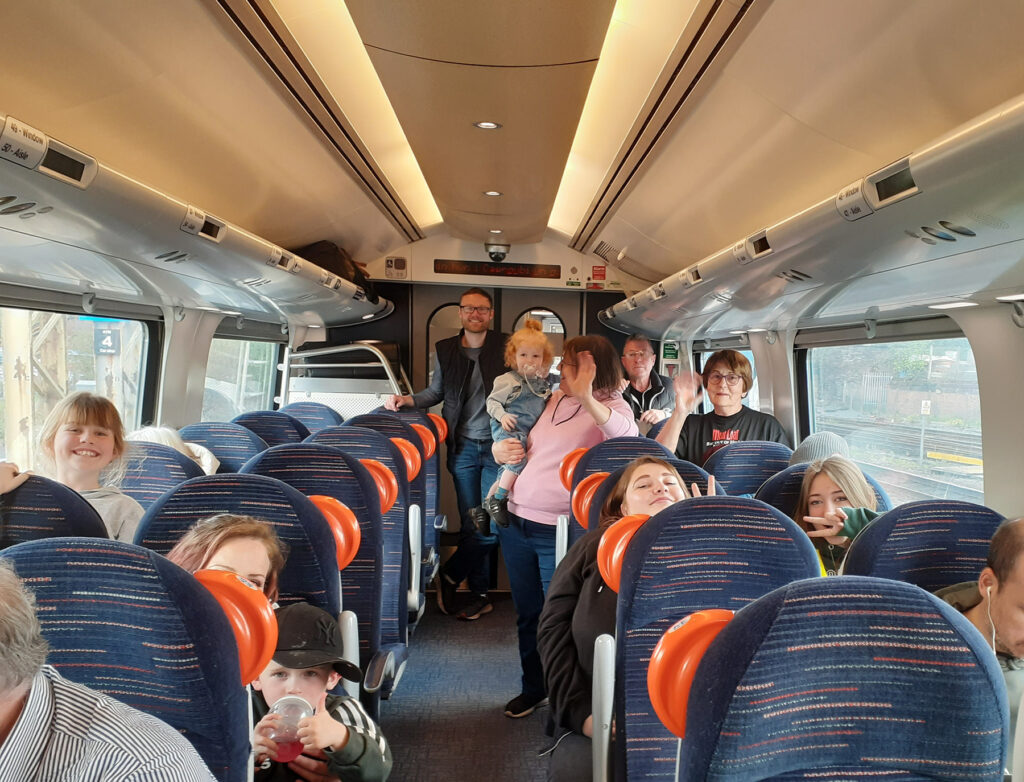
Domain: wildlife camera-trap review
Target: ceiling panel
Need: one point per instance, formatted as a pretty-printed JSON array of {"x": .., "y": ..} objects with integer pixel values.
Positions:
[
  {"x": 168, "y": 94},
  {"x": 527, "y": 66},
  {"x": 817, "y": 95}
]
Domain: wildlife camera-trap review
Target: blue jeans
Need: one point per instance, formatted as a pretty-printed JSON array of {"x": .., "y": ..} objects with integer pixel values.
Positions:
[
  {"x": 529, "y": 552},
  {"x": 474, "y": 470}
]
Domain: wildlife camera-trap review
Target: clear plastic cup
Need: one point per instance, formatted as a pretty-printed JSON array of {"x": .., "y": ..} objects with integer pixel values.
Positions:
[{"x": 292, "y": 708}]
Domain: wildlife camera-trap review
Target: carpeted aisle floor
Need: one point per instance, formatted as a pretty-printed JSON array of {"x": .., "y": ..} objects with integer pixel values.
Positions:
[{"x": 445, "y": 723}]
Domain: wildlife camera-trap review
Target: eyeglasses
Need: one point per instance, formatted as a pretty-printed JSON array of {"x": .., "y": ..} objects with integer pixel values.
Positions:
[
  {"x": 637, "y": 355},
  {"x": 730, "y": 379},
  {"x": 477, "y": 310}
]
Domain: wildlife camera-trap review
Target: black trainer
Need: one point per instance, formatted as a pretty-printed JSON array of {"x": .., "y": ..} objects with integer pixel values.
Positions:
[
  {"x": 480, "y": 605},
  {"x": 478, "y": 516},
  {"x": 446, "y": 594},
  {"x": 523, "y": 705},
  {"x": 497, "y": 510}
]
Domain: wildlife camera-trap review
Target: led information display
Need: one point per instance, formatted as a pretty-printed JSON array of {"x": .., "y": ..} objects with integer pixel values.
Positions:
[{"x": 545, "y": 271}]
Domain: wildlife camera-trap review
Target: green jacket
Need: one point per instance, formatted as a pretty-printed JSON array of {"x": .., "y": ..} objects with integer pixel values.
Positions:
[{"x": 832, "y": 555}]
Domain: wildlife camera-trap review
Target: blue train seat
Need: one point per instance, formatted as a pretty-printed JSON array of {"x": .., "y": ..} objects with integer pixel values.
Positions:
[
  {"x": 315, "y": 415},
  {"x": 232, "y": 444},
  {"x": 741, "y": 467},
  {"x": 152, "y": 469},
  {"x": 273, "y": 426},
  {"x": 782, "y": 490},
  {"x": 41, "y": 508}
]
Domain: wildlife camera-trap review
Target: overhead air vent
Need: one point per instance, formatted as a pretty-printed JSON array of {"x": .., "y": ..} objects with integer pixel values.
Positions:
[
  {"x": 172, "y": 256},
  {"x": 944, "y": 230},
  {"x": 794, "y": 275}
]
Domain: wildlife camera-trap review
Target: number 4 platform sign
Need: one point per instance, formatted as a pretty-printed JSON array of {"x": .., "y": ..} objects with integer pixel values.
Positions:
[{"x": 107, "y": 342}]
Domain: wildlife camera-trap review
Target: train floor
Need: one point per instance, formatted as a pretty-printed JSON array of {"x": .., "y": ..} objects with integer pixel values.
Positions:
[{"x": 445, "y": 722}]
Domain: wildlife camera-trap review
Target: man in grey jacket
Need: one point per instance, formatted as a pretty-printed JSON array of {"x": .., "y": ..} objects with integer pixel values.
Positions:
[{"x": 650, "y": 395}]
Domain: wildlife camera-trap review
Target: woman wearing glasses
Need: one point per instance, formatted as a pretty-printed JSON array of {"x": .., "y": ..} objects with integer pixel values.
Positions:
[{"x": 727, "y": 377}]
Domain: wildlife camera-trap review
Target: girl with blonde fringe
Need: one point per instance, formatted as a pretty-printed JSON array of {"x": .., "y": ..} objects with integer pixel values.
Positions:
[
  {"x": 515, "y": 404},
  {"x": 83, "y": 440}
]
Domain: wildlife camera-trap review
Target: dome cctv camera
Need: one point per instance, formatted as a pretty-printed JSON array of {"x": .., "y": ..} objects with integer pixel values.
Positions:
[{"x": 496, "y": 252}]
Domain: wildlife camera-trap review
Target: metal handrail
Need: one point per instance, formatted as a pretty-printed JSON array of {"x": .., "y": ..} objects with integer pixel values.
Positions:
[{"x": 291, "y": 357}]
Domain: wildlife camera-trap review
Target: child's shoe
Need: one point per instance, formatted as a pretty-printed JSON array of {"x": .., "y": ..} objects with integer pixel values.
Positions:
[
  {"x": 497, "y": 510},
  {"x": 478, "y": 516}
]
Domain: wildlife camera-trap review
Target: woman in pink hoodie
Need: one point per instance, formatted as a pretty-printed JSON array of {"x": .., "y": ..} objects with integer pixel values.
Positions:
[{"x": 586, "y": 410}]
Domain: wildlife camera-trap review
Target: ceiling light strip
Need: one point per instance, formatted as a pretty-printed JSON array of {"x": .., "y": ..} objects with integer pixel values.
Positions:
[
  {"x": 690, "y": 62},
  {"x": 269, "y": 36}
]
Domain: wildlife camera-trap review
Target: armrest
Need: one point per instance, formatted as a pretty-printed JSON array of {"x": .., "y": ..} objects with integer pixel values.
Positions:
[
  {"x": 602, "y": 695},
  {"x": 380, "y": 669},
  {"x": 561, "y": 537},
  {"x": 415, "y": 556},
  {"x": 349, "y": 627}
]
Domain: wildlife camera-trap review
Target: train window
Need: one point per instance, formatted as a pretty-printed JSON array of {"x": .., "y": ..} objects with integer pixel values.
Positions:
[
  {"x": 47, "y": 355},
  {"x": 910, "y": 412},
  {"x": 752, "y": 400},
  {"x": 239, "y": 378},
  {"x": 552, "y": 327}
]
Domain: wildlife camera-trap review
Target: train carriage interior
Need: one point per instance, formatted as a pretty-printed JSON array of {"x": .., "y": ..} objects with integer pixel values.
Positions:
[{"x": 210, "y": 208}]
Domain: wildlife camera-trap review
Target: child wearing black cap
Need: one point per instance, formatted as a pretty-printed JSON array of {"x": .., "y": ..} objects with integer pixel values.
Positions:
[{"x": 308, "y": 662}]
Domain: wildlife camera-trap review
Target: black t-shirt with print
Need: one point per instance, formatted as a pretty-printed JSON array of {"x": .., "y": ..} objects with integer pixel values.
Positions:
[{"x": 702, "y": 435}]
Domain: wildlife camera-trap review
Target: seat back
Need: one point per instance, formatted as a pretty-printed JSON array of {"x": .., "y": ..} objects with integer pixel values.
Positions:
[
  {"x": 423, "y": 489},
  {"x": 310, "y": 571},
  {"x": 431, "y": 466},
  {"x": 362, "y": 443},
  {"x": 232, "y": 444},
  {"x": 688, "y": 471},
  {"x": 706, "y": 552},
  {"x": 931, "y": 543},
  {"x": 152, "y": 469},
  {"x": 321, "y": 469},
  {"x": 273, "y": 426},
  {"x": 782, "y": 490},
  {"x": 315, "y": 415},
  {"x": 846, "y": 678},
  {"x": 655, "y": 429},
  {"x": 741, "y": 467},
  {"x": 126, "y": 622},
  {"x": 41, "y": 508},
  {"x": 617, "y": 452}
]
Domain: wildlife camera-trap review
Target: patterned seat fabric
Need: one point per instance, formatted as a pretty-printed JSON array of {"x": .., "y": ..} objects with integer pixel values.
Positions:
[
  {"x": 423, "y": 490},
  {"x": 363, "y": 443},
  {"x": 688, "y": 471},
  {"x": 153, "y": 469},
  {"x": 740, "y": 468},
  {"x": 372, "y": 583},
  {"x": 608, "y": 457},
  {"x": 782, "y": 490},
  {"x": 41, "y": 508},
  {"x": 314, "y": 415},
  {"x": 432, "y": 483},
  {"x": 615, "y": 453},
  {"x": 273, "y": 426},
  {"x": 126, "y": 622},
  {"x": 310, "y": 571},
  {"x": 705, "y": 552},
  {"x": 931, "y": 543},
  {"x": 846, "y": 678},
  {"x": 232, "y": 444}
]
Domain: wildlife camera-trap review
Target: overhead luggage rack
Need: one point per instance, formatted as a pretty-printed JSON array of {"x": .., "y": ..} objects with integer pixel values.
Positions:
[{"x": 352, "y": 379}]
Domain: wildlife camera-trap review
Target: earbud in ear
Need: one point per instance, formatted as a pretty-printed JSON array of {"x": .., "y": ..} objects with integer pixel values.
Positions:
[{"x": 988, "y": 591}]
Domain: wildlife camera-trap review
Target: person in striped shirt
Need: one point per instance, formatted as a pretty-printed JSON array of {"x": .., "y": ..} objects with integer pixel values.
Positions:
[{"x": 52, "y": 728}]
